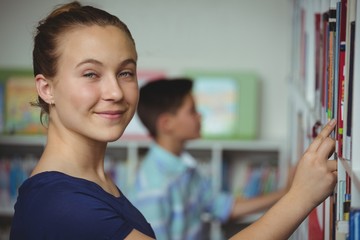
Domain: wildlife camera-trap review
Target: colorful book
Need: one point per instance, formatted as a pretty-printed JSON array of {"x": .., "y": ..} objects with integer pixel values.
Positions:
[
  {"x": 20, "y": 116},
  {"x": 341, "y": 77}
]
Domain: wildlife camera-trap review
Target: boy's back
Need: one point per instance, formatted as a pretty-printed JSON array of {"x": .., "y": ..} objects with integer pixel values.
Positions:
[{"x": 173, "y": 196}]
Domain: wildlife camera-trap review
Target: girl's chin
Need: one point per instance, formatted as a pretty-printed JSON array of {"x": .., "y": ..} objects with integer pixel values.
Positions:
[{"x": 111, "y": 137}]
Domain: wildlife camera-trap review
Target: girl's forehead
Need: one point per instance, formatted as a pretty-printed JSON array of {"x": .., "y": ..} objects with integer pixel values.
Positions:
[{"x": 107, "y": 43}]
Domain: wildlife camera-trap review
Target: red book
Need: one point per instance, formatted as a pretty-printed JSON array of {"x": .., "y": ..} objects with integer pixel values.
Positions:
[
  {"x": 341, "y": 77},
  {"x": 324, "y": 62}
]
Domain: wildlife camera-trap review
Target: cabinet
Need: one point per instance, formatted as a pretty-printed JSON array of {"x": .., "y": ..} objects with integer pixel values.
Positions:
[
  {"x": 213, "y": 155},
  {"x": 324, "y": 84}
]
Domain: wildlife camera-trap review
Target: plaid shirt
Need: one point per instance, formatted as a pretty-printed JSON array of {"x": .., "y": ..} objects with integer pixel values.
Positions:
[{"x": 173, "y": 195}]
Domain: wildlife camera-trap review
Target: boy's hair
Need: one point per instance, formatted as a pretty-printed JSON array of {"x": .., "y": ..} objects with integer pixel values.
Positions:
[{"x": 159, "y": 96}]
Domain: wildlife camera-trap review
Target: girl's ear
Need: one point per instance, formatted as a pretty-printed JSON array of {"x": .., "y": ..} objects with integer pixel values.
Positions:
[{"x": 44, "y": 88}]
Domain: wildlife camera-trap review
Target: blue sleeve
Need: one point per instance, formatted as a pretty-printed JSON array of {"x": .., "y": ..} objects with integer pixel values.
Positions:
[
  {"x": 218, "y": 204},
  {"x": 222, "y": 206}
]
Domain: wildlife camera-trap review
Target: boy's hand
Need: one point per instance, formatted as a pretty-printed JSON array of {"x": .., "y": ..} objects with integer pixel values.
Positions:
[{"x": 316, "y": 176}]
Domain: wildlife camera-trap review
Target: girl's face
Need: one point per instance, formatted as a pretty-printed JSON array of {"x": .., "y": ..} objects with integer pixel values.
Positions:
[{"x": 95, "y": 91}]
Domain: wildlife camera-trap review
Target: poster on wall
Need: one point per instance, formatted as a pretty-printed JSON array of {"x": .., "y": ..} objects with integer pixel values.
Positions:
[
  {"x": 19, "y": 116},
  {"x": 228, "y": 104}
]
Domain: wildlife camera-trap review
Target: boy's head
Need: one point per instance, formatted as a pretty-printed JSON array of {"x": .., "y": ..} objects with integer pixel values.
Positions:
[{"x": 168, "y": 105}]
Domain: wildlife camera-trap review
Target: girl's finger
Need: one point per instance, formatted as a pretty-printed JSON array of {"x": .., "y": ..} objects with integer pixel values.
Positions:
[
  {"x": 326, "y": 148},
  {"x": 325, "y": 132}
]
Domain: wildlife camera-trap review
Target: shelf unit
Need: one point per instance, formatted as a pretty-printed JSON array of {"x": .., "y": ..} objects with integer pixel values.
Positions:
[
  {"x": 214, "y": 153},
  {"x": 317, "y": 74}
]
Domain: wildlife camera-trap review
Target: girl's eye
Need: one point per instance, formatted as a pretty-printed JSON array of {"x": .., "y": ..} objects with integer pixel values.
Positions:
[
  {"x": 126, "y": 74},
  {"x": 90, "y": 75}
]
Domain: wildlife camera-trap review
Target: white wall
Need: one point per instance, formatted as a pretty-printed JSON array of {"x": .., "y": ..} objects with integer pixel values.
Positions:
[{"x": 175, "y": 35}]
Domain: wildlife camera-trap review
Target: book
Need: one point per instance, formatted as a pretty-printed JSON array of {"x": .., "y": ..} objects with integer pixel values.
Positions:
[
  {"x": 349, "y": 89},
  {"x": 349, "y": 58},
  {"x": 341, "y": 77},
  {"x": 318, "y": 62},
  {"x": 20, "y": 116},
  {"x": 331, "y": 62},
  {"x": 324, "y": 77},
  {"x": 354, "y": 224},
  {"x": 236, "y": 115}
]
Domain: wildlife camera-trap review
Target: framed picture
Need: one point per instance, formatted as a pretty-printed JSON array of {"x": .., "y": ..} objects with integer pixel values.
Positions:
[
  {"x": 17, "y": 90},
  {"x": 228, "y": 103}
]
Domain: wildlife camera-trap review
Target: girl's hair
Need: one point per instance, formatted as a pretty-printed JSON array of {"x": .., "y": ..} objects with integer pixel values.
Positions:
[{"x": 50, "y": 30}]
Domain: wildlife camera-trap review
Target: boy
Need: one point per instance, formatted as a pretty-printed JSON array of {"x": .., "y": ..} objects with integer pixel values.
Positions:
[{"x": 169, "y": 189}]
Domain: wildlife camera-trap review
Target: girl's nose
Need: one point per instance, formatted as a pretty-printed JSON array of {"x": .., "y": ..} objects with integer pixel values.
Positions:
[{"x": 112, "y": 89}]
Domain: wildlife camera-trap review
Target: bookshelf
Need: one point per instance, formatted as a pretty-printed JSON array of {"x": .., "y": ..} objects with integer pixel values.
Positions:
[
  {"x": 213, "y": 155},
  {"x": 324, "y": 84}
]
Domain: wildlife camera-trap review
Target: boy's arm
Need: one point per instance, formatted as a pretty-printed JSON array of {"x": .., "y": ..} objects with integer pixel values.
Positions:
[
  {"x": 314, "y": 180},
  {"x": 245, "y": 206}
]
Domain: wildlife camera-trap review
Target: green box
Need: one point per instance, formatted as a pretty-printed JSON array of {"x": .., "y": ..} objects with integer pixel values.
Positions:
[{"x": 228, "y": 103}]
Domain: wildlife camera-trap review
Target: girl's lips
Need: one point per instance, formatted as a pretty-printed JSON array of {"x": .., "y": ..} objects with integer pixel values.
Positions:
[{"x": 111, "y": 114}]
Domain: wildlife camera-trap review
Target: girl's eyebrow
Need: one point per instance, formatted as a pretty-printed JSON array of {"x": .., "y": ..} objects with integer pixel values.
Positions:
[
  {"x": 96, "y": 62},
  {"x": 90, "y": 60},
  {"x": 128, "y": 61}
]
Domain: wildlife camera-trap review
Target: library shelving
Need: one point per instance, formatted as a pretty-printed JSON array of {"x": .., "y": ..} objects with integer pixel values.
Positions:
[
  {"x": 218, "y": 158},
  {"x": 324, "y": 84}
]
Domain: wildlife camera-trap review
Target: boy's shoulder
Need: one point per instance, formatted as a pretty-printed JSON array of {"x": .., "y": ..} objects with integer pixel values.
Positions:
[
  {"x": 153, "y": 175},
  {"x": 159, "y": 169}
]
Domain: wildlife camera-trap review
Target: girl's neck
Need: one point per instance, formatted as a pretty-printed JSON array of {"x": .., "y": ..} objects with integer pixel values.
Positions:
[{"x": 67, "y": 152}]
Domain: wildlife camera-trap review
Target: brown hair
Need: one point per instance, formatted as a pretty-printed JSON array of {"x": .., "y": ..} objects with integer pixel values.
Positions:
[{"x": 49, "y": 31}]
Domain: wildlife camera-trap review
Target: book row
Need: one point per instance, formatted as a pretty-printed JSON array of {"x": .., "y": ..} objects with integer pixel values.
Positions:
[
  {"x": 15, "y": 170},
  {"x": 325, "y": 73},
  {"x": 242, "y": 178},
  {"x": 248, "y": 179}
]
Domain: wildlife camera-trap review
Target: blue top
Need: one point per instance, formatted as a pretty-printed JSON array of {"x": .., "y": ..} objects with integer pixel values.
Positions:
[
  {"x": 173, "y": 195},
  {"x": 53, "y": 205}
]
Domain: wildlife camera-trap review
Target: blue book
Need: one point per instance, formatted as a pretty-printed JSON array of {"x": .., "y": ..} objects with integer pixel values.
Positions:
[{"x": 354, "y": 224}]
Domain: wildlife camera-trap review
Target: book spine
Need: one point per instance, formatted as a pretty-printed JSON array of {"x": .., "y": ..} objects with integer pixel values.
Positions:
[{"x": 354, "y": 224}]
